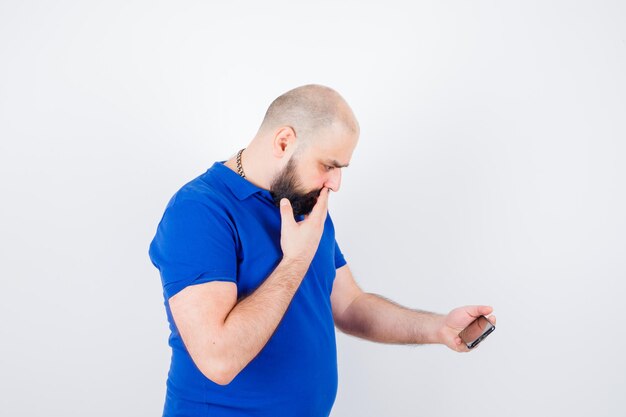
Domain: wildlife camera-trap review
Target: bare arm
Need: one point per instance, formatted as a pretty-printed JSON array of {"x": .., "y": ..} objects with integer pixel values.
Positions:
[
  {"x": 375, "y": 318},
  {"x": 223, "y": 335},
  {"x": 378, "y": 319}
]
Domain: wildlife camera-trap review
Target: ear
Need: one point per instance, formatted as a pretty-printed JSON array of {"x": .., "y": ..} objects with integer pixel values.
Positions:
[{"x": 284, "y": 141}]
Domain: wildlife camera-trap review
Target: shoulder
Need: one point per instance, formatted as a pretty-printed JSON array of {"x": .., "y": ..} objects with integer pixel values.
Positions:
[
  {"x": 203, "y": 193},
  {"x": 200, "y": 205}
]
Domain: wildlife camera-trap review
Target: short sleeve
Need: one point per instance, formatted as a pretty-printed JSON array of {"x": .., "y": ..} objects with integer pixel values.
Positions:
[
  {"x": 340, "y": 260},
  {"x": 194, "y": 243}
]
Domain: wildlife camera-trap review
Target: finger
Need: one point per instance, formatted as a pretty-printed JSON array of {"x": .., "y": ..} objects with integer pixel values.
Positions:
[
  {"x": 492, "y": 319},
  {"x": 476, "y": 311},
  {"x": 321, "y": 205},
  {"x": 484, "y": 310},
  {"x": 286, "y": 213},
  {"x": 460, "y": 346}
]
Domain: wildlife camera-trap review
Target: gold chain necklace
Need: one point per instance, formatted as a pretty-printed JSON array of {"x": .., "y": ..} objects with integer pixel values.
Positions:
[{"x": 239, "y": 167}]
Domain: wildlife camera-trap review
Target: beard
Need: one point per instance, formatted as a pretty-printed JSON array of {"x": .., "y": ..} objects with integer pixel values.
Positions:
[{"x": 286, "y": 185}]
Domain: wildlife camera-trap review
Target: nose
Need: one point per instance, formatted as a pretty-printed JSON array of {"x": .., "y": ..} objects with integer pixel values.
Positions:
[{"x": 334, "y": 180}]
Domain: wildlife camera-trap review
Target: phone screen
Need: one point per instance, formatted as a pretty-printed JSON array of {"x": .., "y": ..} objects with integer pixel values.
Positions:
[{"x": 477, "y": 330}]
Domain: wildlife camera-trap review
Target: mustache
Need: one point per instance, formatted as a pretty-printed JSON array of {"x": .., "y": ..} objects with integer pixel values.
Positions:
[{"x": 299, "y": 202}]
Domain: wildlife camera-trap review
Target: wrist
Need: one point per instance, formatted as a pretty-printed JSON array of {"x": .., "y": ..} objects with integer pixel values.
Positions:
[
  {"x": 298, "y": 265},
  {"x": 437, "y": 329},
  {"x": 296, "y": 261}
]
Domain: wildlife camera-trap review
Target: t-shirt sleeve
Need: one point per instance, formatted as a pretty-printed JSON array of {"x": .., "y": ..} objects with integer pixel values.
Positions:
[
  {"x": 194, "y": 243},
  {"x": 340, "y": 260}
]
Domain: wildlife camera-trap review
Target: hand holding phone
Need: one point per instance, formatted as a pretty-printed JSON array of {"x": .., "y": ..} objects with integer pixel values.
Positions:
[{"x": 476, "y": 332}]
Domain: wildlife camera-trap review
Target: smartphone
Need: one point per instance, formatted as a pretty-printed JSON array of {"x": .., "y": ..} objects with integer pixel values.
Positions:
[{"x": 476, "y": 331}]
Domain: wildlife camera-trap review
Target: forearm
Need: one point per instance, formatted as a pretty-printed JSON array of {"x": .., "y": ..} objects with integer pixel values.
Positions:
[
  {"x": 378, "y": 319},
  {"x": 253, "y": 320}
]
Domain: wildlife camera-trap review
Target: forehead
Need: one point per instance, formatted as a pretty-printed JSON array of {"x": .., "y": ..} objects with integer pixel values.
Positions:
[{"x": 333, "y": 149}]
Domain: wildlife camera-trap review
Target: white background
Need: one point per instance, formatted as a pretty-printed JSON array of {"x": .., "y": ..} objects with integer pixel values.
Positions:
[{"x": 490, "y": 170}]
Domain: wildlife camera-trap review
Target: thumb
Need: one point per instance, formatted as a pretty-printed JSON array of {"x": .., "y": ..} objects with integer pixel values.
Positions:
[
  {"x": 286, "y": 212},
  {"x": 478, "y": 310}
]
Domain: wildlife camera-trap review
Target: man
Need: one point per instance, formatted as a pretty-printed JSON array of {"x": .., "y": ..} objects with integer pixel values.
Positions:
[{"x": 255, "y": 282}]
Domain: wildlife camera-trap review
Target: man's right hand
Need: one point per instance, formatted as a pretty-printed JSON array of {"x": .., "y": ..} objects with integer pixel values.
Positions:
[
  {"x": 299, "y": 240},
  {"x": 223, "y": 333}
]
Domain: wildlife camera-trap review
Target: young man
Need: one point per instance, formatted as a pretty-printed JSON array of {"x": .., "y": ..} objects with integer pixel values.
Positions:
[{"x": 255, "y": 282}]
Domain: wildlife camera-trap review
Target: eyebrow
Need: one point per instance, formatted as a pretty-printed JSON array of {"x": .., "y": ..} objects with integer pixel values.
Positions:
[{"x": 336, "y": 164}]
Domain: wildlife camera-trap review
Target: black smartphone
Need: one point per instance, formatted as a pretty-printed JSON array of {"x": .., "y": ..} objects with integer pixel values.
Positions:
[{"x": 476, "y": 331}]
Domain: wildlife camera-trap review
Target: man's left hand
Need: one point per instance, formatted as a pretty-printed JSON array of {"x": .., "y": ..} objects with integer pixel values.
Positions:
[{"x": 457, "y": 320}]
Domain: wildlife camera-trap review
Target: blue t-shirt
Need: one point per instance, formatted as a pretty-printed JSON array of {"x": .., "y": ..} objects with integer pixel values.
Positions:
[{"x": 221, "y": 227}]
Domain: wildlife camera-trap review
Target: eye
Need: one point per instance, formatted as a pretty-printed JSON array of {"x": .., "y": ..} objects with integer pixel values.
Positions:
[{"x": 328, "y": 167}]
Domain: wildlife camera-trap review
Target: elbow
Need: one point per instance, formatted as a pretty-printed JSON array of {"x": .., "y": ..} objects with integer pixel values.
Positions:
[
  {"x": 216, "y": 360},
  {"x": 222, "y": 379},
  {"x": 345, "y": 329},
  {"x": 219, "y": 372},
  {"x": 342, "y": 326},
  {"x": 353, "y": 324}
]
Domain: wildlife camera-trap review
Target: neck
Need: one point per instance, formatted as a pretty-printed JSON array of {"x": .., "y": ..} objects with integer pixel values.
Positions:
[{"x": 255, "y": 166}]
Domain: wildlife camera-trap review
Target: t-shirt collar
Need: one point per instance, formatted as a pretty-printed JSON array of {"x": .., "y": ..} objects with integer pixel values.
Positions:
[{"x": 241, "y": 187}]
